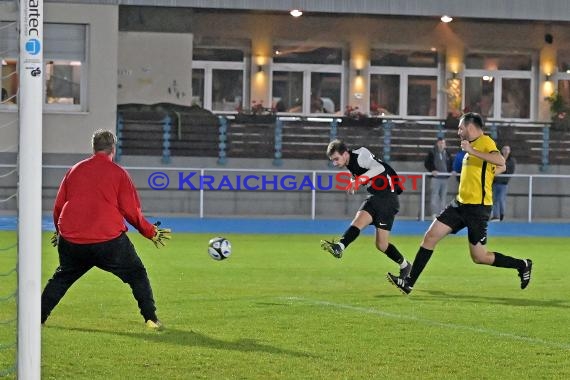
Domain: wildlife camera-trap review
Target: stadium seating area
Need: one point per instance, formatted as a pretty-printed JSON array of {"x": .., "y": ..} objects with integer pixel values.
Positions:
[{"x": 170, "y": 130}]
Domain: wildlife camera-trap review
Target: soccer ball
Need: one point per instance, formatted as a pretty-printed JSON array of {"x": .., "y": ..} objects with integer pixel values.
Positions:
[{"x": 219, "y": 248}]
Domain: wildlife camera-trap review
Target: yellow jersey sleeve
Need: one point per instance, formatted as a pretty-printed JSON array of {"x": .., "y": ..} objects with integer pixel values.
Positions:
[{"x": 476, "y": 181}]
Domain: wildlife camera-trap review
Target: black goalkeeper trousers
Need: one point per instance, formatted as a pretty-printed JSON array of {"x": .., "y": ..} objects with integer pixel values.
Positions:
[{"x": 117, "y": 256}]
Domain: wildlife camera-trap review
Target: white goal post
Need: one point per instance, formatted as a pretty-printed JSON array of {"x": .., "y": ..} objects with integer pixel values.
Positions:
[{"x": 30, "y": 102}]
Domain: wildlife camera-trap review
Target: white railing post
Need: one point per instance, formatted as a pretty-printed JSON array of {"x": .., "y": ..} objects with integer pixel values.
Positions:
[
  {"x": 530, "y": 198},
  {"x": 423, "y": 198},
  {"x": 201, "y": 194},
  {"x": 314, "y": 196}
]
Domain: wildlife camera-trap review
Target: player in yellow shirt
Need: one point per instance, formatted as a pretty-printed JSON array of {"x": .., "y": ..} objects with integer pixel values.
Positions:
[{"x": 471, "y": 208}]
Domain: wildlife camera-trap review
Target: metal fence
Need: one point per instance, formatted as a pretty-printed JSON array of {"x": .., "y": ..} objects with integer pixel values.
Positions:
[{"x": 279, "y": 193}]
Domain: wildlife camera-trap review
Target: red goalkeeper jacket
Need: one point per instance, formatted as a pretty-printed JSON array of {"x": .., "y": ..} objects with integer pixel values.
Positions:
[{"x": 94, "y": 199}]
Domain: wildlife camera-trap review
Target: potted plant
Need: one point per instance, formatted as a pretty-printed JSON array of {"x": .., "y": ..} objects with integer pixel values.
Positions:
[
  {"x": 559, "y": 111},
  {"x": 257, "y": 114},
  {"x": 353, "y": 116}
]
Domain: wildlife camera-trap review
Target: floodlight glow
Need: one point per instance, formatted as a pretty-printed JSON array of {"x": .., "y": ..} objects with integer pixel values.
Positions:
[{"x": 296, "y": 13}]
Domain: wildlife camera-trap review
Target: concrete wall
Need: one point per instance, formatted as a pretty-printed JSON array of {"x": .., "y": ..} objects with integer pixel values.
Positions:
[
  {"x": 154, "y": 68},
  {"x": 70, "y": 132},
  {"x": 551, "y": 197}
]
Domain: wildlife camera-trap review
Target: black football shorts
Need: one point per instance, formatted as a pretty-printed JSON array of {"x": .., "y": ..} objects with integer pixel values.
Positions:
[
  {"x": 475, "y": 217},
  {"x": 383, "y": 210}
]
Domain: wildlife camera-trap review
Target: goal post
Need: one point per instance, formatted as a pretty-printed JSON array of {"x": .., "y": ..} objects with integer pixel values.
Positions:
[{"x": 30, "y": 103}]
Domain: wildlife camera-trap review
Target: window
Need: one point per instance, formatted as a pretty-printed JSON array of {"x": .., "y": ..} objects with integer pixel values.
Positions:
[
  {"x": 404, "y": 58},
  {"x": 498, "y": 61},
  {"x": 64, "y": 65},
  {"x": 218, "y": 80},
  {"x": 422, "y": 95},
  {"x": 9, "y": 82},
  {"x": 307, "y": 54},
  {"x": 288, "y": 91},
  {"x": 563, "y": 75},
  {"x": 564, "y": 90},
  {"x": 500, "y": 86},
  {"x": 515, "y": 102},
  {"x": 404, "y": 83},
  {"x": 63, "y": 82},
  {"x": 307, "y": 80},
  {"x": 384, "y": 94},
  {"x": 198, "y": 84},
  {"x": 480, "y": 95},
  {"x": 8, "y": 58}
]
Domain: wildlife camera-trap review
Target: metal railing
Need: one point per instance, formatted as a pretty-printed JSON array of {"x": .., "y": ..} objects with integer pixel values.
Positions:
[
  {"x": 281, "y": 180},
  {"x": 391, "y": 133}
]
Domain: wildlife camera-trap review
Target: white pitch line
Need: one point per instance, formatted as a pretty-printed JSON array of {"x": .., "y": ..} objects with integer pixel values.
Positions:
[{"x": 564, "y": 346}]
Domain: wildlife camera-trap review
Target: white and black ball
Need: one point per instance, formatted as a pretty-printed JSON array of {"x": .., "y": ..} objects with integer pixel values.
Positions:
[{"x": 219, "y": 248}]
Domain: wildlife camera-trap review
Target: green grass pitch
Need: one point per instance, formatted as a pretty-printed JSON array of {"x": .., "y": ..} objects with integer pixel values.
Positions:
[{"x": 281, "y": 308}]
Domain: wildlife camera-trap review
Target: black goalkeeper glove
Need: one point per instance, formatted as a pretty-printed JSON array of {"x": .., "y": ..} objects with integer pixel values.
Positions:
[
  {"x": 54, "y": 239},
  {"x": 160, "y": 235}
]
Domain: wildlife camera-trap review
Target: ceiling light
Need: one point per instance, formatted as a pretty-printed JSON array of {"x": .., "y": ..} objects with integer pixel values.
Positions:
[
  {"x": 296, "y": 13},
  {"x": 446, "y": 18}
]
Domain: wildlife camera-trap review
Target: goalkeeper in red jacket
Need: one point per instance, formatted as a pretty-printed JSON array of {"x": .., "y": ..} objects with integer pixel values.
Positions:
[{"x": 94, "y": 199}]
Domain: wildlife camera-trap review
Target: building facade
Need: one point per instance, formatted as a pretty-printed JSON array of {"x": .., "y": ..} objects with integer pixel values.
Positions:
[{"x": 394, "y": 59}]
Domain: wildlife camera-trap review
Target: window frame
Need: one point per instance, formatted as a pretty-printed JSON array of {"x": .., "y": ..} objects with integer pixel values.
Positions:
[
  {"x": 559, "y": 75},
  {"x": 404, "y": 73},
  {"x": 82, "y": 107},
  {"x": 62, "y": 108},
  {"x": 307, "y": 69},
  {"x": 208, "y": 67},
  {"x": 498, "y": 76}
]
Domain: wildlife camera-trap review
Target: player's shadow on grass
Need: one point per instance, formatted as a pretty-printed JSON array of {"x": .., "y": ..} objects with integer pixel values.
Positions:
[
  {"x": 438, "y": 294},
  {"x": 193, "y": 338}
]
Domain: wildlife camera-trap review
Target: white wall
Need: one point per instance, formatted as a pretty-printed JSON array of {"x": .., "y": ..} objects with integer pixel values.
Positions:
[
  {"x": 71, "y": 132},
  {"x": 155, "y": 68}
]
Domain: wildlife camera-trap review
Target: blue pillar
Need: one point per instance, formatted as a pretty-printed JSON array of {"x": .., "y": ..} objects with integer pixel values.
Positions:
[
  {"x": 545, "y": 148},
  {"x": 278, "y": 161},
  {"x": 120, "y": 127},
  {"x": 441, "y": 129},
  {"x": 223, "y": 137},
  {"x": 388, "y": 125},
  {"x": 166, "y": 127}
]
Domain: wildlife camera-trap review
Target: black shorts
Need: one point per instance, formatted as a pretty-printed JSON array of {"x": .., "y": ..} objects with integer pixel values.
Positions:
[
  {"x": 383, "y": 210},
  {"x": 474, "y": 217}
]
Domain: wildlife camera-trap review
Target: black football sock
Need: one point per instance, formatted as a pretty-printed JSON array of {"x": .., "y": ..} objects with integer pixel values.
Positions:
[
  {"x": 420, "y": 262},
  {"x": 349, "y": 236},
  {"x": 503, "y": 261},
  {"x": 393, "y": 253}
]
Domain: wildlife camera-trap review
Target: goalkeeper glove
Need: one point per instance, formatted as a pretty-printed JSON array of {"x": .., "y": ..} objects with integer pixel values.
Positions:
[
  {"x": 160, "y": 235},
  {"x": 54, "y": 239}
]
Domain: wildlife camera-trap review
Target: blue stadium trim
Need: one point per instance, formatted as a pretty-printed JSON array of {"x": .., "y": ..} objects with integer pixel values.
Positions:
[{"x": 325, "y": 227}]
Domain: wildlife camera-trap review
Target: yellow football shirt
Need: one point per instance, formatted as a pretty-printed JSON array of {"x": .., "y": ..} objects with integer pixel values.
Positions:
[{"x": 476, "y": 181}]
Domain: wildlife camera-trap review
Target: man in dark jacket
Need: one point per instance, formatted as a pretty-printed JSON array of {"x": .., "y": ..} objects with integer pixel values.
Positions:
[
  {"x": 501, "y": 185},
  {"x": 438, "y": 161}
]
